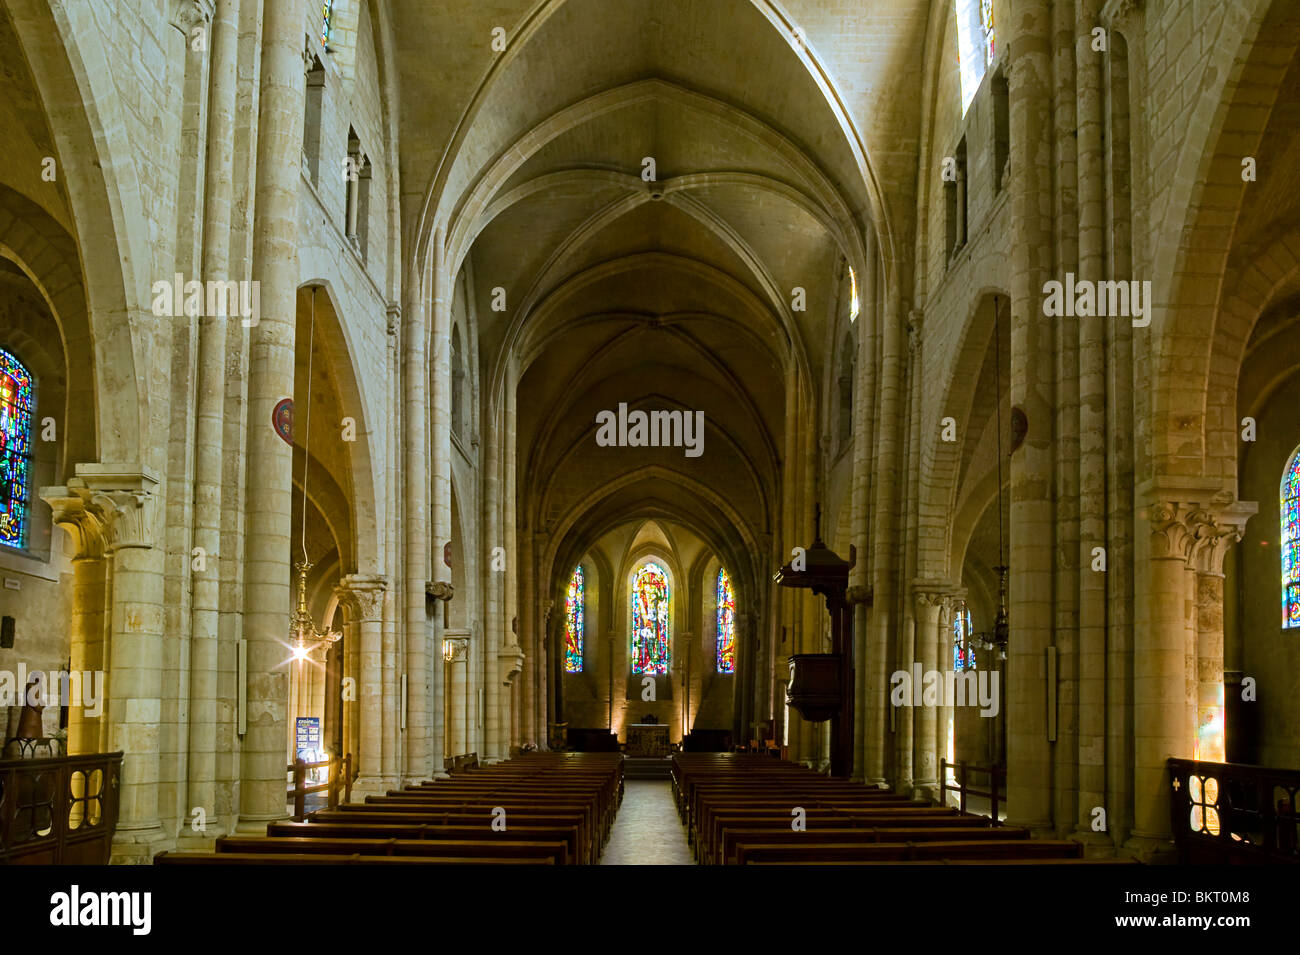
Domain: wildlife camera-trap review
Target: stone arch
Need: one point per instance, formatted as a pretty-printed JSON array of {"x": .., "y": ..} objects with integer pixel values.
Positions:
[
  {"x": 941, "y": 461},
  {"x": 69, "y": 64},
  {"x": 1207, "y": 179},
  {"x": 332, "y": 330},
  {"x": 1264, "y": 281}
]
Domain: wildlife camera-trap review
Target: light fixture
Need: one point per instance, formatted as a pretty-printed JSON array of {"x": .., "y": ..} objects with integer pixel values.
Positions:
[
  {"x": 448, "y": 650},
  {"x": 304, "y": 635}
]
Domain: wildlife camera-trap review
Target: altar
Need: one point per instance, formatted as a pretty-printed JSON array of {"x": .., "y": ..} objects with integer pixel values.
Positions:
[{"x": 647, "y": 739}]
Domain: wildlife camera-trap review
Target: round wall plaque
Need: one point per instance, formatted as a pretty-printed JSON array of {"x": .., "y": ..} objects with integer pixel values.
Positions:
[
  {"x": 282, "y": 420},
  {"x": 1019, "y": 428}
]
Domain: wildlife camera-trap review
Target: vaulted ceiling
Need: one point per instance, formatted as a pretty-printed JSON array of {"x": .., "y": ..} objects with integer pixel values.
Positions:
[{"x": 674, "y": 293}]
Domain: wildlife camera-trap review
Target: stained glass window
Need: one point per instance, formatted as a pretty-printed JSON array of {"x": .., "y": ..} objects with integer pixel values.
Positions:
[
  {"x": 976, "y": 45},
  {"x": 327, "y": 12},
  {"x": 1291, "y": 542},
  {"x": 15, "y": 448},
  {"x": 650, "y": 603},
  {"x": 574, "y": 610},
  {"x": 726, "y": 624},
  {"x": 963, "y": 640}
]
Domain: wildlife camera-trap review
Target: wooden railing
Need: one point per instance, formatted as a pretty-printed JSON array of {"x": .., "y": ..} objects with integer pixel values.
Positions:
[
  {"x": 963, "y": 788},
  {"x": 1234, "y": 812},
  {"x": 60, "y": 810},
  {"x": 339, "y": 777}
]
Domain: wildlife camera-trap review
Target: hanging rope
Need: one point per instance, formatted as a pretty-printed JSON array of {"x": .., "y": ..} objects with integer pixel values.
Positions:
[{"x": 306, "y": 456}]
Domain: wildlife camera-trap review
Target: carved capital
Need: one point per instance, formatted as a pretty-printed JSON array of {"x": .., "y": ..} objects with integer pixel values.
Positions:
[
  {"x": 440, "y": 590},
  {"x": 512, "y": 663},
  {"x": 933, "y": 595},
  {"x": 187, "y": 14},
  {"x": 82, "y": 520},
  {"x": 1216, "y": 531},
  {"x": 363, "y": 595},
  {"x": 455, "y": 649},
  {"x": 122, "y": 499},
  {"x": 1121, "y": 13},
  {"x": 394, "y": 318},
  {"x": 858, "y": 594}
]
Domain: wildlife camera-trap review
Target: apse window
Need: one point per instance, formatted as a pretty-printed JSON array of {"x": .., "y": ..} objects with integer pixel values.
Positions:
[
  {"x": 574, "y": 613},
  {"x": 15, "y": 448},
  {"x": 650, "y": 607},
  {"x": 726, "y": 623},
  {"x": 1290, "y": 501},
  {"x": 975, "y": 45}
]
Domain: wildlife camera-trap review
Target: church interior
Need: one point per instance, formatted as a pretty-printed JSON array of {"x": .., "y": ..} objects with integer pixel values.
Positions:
[{"x": 703, "y": 432}]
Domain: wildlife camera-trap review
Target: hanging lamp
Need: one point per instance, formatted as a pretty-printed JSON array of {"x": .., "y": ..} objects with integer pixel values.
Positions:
[{"x": 304, "y": 636}]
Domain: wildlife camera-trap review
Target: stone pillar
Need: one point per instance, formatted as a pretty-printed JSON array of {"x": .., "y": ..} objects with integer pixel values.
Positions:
[
  {"x": 126, "y": 504},
  {"x": 85, "y": 528},
  {"x": 1191, "y": 525},
  {"x": 365, "y": 596},
  {"x": 441, "y": 699},
  {"x": 270, "y": 380},
  {"x": 458, "y": 686},
  {"x": 930, "y": 598},
  {"x": 209, "y": 449},
  {"x": 1032, "y": 557},
  {"x": 1226, "y": 528}
]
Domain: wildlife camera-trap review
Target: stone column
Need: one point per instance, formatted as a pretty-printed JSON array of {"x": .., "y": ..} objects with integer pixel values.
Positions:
[
  {"x": 441, "y": 699},
  {"x": 943, "y": 654},
  {"x": 270, "y": 379},
  {"x": 85, "y": 527},
  {"x": 883, "y": 609},
  {"x": 1032, "y": 557},
  {"x": 365, "y": 595},
  {"x": 209, "y": 450},
  {"x": 1226, "y": 528},
  {"x": 930, "y": 597},
  {"x": 1191, "y": 524},
  {"x": 458, "y": 685},
  {"x": 127, "y": 503}
]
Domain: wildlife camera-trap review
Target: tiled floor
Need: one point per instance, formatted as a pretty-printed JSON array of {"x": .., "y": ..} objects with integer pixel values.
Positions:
[{"x": 647, "y": 830}]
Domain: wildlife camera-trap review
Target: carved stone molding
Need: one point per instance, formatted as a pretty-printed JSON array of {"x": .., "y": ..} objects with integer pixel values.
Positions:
[
  {"x": 859, "y": 594},
  {"x": 1197, "y": 523},
  {"x": 1121, "y": 13},
  {"x": 1216, "y": 531},
  {"x": 933, "y": 593},
  {"x": 75, "y": 514},
  {"x": 187, "y": 14},
  {"x": 512, "y": 663},
  {"x": 363, "y": 595}
]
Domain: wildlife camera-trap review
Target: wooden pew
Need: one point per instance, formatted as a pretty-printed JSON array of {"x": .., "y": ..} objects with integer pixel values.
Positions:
[
  {"x": 556, "y": 852},
  {"x": 426, "y": 834},
  {"x": 311, "y": 858},
  {"x": 963, "y": 849}
]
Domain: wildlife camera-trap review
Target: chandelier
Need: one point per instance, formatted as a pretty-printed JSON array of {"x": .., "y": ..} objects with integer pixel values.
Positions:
[{"x": 304, "y": 635}]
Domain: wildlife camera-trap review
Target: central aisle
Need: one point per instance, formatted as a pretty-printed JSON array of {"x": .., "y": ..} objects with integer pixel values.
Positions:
[{"x": 647, "y": 830}]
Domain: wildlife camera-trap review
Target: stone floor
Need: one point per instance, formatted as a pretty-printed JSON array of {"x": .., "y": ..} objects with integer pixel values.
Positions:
[{"x": 647, "y": 830}]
